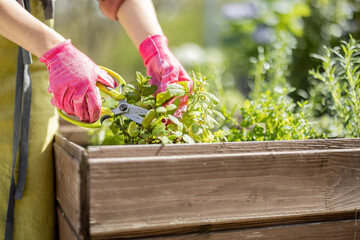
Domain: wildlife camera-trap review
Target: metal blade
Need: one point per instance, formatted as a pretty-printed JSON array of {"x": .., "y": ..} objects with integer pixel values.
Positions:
[
  {"x": 124, "y": 107},
  {"x": 137, "y": 110},
  {"x": 132, "y": 112},
  {"x": 134, "y": 117}
]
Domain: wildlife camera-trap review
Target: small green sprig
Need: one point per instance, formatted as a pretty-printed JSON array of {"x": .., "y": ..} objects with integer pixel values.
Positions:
[
  {"x": 269, "y": 113},
  {"x": 338, "y": 85},
  {"x": 271, "y": 116},
  {"x": 161, "y": 125},
  {"x": 274, "y": 116},
  {"x": 201, "y": 115}
]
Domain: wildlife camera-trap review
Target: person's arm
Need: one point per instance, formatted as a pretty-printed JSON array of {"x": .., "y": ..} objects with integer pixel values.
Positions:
[
  {"x": 138, "y": 17},
  {"x": 20, "y": 27},
  {"x": 72, "y": 75}
]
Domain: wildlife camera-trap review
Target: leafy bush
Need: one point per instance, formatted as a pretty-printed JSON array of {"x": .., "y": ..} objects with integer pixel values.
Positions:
[
  {"x": 338, "y": 87},
  {"x": 272, "y": 116},
  {"x": 269, "y": 113},
  {"x": 160, "y": 125}
]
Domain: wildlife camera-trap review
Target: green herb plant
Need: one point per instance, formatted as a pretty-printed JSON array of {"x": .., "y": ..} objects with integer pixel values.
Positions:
[
  {"x": 160, "y": 125},
  {"x": 337, "y": 85},
  {"x": 270, "y": 113}
]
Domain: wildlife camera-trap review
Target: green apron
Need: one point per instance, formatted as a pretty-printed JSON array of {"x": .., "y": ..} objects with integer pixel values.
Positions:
[{"x": 35, "y": 212}]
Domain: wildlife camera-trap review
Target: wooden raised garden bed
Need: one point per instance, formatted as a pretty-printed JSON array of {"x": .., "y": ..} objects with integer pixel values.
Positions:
[{"x": 252, "y": 190}]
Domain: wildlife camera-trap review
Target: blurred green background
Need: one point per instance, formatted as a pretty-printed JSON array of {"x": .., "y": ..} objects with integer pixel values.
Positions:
[{"x": 218, "y": 37}]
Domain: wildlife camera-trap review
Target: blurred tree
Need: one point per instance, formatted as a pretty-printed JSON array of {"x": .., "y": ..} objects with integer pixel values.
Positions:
[
  {"x": 330, "y": 22},
  {"x": 314, "y": 23},
  {"x": 250, "y": 24}
]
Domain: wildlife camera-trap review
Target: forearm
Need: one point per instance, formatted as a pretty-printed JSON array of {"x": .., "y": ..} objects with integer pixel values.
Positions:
[
  {"x": 138, "y": 17},
  {"x": 20, "y": 27}
]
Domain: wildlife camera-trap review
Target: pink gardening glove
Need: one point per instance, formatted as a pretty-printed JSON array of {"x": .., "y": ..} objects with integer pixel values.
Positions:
[
  {"x": 163, "y": 67},
  {"x": 73, "y": 79}
]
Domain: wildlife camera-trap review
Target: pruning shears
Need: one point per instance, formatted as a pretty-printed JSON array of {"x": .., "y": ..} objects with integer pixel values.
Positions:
[{"x": 132, "y": 112}]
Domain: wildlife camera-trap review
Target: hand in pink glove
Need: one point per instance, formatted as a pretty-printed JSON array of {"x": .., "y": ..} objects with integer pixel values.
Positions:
[
  {"x": 73, "y": 79},
  {"x": 163, "y": 67}
]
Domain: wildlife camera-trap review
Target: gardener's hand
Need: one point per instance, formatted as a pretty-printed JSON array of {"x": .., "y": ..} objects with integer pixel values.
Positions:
[
  {"x": 73, "y": 79},
  {"x": 163, "y": 67}
]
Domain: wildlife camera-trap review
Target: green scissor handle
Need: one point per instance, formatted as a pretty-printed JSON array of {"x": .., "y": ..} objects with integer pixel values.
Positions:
[
  {"x": 105, "y": 112},
  {"x": 112, "y": 92}
]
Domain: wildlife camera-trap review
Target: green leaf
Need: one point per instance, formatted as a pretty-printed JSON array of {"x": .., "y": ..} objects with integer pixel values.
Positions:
[
  {"x": 161, "y": 110},
  {"x": 114, "y": 128},
  {"x": 133, "y": 129},
  {"x": 247, "y": 104},
  {"x": 128, "y": 88},
  {"x": 194, "y": 113},
  {"x": 176, "y": 102},
  {"x": 176, "y": 122},
  {"x": 219, "y": 114},
  {"x": 176, "y": 90},
  {"x": 178, "y": 134},
  {"x": 185, "y": 85},
  {"x": 149, "y": 90},
  {"x": 110, "y": 102},
  {"x": 172, "y": 138},
  {"x": 172, "y": 127},
  {"x": 158, "y": 129},
  {"x": 132, "y": 97},
  {"x": 162, "y": 97},
  {"x": 171, "y": 109},
  {"x": 211, "y": 121},
  {"x": 143, "y": 105},
  {"x": 188, "y": 139},
  {"x": 188, "y": 121},
  {"x": 197, "y": 129},
  {"x": 148, "y": 118},
  {"x": 165, "y": 140},
  {"x": 141, "y": 80},
  {"x": 212, "y": 97},
  {"x": 221, "y": 134}
]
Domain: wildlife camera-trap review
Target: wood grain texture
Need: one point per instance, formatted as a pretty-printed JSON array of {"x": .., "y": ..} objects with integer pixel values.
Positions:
[
  {"x": 74, "y": 150},
  {"x": 256, "y": 190},
  {"x": 65, "y": 231},
  {"x": 219, "y": 148},
  {"x": 336, "y": 230},
  {"x": 68, "y": 184},
  {"x": 139, "y": 196},
  {"x": 343, "y": 181}
]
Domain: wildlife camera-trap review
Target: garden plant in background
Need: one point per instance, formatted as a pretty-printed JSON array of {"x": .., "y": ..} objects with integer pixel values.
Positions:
[
  {"x": 270, "y": 113},
  {"x": 337, "y": 89},
  {"x": 250, "y": 24}
]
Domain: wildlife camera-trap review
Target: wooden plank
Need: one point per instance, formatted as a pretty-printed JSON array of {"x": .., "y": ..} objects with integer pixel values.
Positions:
[
  {"x": 343, "y": 181},
  {"x": 336, "y": 230},
  {"x": 178, "y": 194},
  {"x": 65, "y": 232},
  {"x": 76, "y": 151},
  {"x": 68, "y": 195},
  {"x": 75, "y": 134},
  {"x": 217, "y": 148},
  {"x": 71, "y": 177}
]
